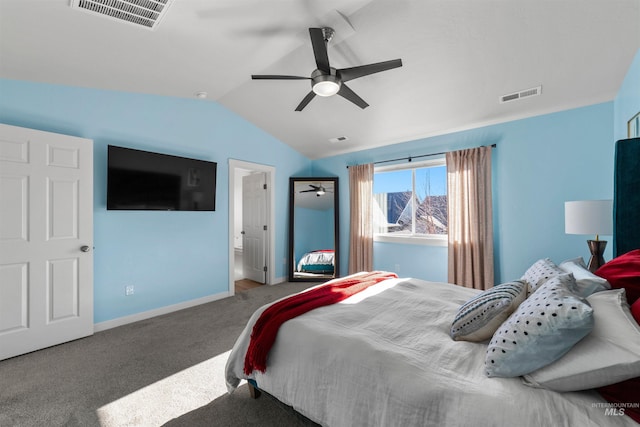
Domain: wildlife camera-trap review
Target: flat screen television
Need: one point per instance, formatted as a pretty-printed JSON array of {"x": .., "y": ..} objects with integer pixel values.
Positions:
[{"x": 142, "y": 180}]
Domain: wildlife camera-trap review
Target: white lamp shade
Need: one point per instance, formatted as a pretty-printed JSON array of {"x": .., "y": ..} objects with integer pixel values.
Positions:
[{"x": 588, "y": 217}]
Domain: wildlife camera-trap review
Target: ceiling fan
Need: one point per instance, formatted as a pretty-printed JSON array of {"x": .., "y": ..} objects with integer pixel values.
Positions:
[
  {"x": 318, "y": 189},
  {"x": 328, "y": 81}
]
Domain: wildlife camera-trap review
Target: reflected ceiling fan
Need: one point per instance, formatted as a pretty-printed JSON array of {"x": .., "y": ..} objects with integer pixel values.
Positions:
[
  {"x": 328, "y": 81},
  {"x": 318, "y": 189}
]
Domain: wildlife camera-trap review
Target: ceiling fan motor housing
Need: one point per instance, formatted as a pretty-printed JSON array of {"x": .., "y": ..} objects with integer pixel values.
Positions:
[
  {"x": 324, "y": 84},
  {"x": 328, "y": 33}
]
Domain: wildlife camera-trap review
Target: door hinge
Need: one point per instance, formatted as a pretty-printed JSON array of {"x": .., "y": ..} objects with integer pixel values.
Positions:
[
  {"x": 264, "y": 268},
  {"x": 264, "y": 227},
  {"x": 264, "y": 186}
]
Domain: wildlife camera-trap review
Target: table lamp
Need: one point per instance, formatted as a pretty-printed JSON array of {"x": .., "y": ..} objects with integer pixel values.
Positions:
[{"x": 590, "y": 217}]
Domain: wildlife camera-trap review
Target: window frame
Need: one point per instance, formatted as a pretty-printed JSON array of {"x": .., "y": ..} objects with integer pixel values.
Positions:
[{"x": 413, "y": 238}]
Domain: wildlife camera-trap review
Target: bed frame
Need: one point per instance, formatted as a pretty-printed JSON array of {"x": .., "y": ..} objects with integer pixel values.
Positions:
[{"x": 255, "y": 393}]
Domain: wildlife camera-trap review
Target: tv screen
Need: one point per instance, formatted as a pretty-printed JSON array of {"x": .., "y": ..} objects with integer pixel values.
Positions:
[{"x": 141, "y": 180}]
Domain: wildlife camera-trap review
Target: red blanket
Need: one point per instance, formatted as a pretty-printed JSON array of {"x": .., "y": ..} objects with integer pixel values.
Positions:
[{"x": 266, "y": 328}]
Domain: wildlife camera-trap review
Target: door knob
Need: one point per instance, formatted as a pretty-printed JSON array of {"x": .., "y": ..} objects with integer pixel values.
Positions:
[{"x": 85, "y": 248}]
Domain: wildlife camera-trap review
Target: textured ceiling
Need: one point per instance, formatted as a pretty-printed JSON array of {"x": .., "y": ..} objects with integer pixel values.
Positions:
[{"x": 458, "y": 57}]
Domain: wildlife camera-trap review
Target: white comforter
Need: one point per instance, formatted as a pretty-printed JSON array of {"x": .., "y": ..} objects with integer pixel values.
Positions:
[{"x": 384, "y": 358}]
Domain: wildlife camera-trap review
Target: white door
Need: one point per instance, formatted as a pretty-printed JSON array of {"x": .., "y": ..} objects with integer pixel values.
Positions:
[
  {"x": 46, "y": 239},
  {"x": 254, "y": 226}
]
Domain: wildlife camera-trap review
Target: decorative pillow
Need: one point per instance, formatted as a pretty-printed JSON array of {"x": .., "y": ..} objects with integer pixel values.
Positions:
[
  {"x": 543, "y": 328},
  {"x": 609, "y": 354},
  {"x": 478, "y": 318},
  {"x": 586, "y": 282},
  {"x": 635, "y": 311},
  {"x": 624, "y": 272},
  {"x": 541, "y": 271}
]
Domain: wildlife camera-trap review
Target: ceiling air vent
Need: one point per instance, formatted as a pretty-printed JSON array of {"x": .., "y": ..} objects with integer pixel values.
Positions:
[
  {"x": 338, "y": 139},
  {"x": 145, "y": 13},
  {"x": 534, "y": 91}
]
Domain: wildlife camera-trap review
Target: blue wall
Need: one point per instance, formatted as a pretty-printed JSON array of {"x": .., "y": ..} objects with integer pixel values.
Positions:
[
  {"x": 539, "y": 163},
  {"x": 411, "y": 260},
  {"x": 627, "y": 103},
  {"x": 172, "y": 257},
  {"x": 320, "y": 222},
  {"x": 169, "y": 257}
]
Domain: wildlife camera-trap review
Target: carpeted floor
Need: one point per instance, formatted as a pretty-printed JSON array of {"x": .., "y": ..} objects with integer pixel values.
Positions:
[{"x": 168, "y": 370}]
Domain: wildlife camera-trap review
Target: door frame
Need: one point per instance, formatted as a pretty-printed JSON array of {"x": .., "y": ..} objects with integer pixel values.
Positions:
[{"x": 271, "y": 179}]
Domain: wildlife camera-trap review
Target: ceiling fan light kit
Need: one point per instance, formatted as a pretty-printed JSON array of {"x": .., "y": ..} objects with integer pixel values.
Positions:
[
  {"x": 326, "y": 80},
  {"x": 325, "y": 84}
]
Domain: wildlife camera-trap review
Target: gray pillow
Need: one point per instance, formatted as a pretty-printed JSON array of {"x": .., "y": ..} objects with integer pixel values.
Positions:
[
  {"x": 478, "y": 318},
  {"x": 543, "y": 328},
  {"x": 587, "y": 283},
  {"x": 541, "y": 271}
]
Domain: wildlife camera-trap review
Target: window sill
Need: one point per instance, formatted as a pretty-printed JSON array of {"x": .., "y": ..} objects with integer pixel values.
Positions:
[{"x": 434, "y": 240}]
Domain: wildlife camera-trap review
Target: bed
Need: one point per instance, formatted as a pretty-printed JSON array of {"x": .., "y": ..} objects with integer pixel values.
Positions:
[
  {"x": 328, "y": 366},
  {"x": 319, "y": 264},
  {"x": 338, "y": 365}
]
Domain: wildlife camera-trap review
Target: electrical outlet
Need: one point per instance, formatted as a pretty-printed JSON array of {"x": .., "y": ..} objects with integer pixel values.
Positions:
[{"x": 128, "y": 290}]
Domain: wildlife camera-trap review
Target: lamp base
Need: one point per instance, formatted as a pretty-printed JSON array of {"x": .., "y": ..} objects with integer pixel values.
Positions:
[{"x": 596, "y": 247}]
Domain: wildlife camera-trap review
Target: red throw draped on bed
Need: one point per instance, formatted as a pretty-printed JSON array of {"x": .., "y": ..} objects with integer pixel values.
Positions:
[{"x": 266, "y": 328}]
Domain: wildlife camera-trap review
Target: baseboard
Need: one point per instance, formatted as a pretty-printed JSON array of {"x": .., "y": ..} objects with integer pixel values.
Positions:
[
  {"x": 120, "y": 321},
  {"x": 279, "y": 280}
]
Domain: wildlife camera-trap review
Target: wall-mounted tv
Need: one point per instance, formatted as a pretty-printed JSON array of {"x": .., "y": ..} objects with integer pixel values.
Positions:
[{"x": 142, "y": 180}]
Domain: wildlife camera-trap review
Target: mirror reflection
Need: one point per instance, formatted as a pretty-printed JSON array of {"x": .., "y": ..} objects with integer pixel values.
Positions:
[{"x": 313, "y": 229}]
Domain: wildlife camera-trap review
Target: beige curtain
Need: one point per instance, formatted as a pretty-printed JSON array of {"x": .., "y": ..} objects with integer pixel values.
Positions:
[
  {"x": 361, "y": 231},
  {"x": 470, "y": 218}
]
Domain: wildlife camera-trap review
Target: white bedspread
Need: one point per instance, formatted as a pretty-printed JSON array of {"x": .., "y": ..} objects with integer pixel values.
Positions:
[{"x": 384, "y": 358}]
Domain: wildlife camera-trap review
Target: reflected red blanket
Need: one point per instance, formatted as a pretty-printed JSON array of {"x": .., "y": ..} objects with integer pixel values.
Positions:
[{"x": 266, "y": 328}]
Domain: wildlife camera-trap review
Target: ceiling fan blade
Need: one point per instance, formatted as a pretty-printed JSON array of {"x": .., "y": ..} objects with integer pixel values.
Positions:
[
  {"x": 306, "y": 100},
  {"x": 277, "y": 77},
  {"x": 320, "y": 49},
  {"x": 347, "y": 93},
  {"x": 351, "y": 73}
]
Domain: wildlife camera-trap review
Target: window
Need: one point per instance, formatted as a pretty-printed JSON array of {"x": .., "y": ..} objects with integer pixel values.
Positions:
[{"x": 410, "y": 202}]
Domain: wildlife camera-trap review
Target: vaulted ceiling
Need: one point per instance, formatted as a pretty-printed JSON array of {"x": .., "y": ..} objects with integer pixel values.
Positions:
[{"x": 459, "y": 58}]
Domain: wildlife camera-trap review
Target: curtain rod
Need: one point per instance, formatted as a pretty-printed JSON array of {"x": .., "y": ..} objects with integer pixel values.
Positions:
[{"x": 410, "y": 158}]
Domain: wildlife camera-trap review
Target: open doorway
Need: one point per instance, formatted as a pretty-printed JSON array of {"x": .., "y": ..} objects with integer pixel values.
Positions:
[{"x": 251, "y": 225}]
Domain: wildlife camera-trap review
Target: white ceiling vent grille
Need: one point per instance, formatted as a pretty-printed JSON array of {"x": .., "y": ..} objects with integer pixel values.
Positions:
[
  {"x": 534, "y": 91},
  {"x": 144, "y": 13},
  {"x": 338, "y": 139}
]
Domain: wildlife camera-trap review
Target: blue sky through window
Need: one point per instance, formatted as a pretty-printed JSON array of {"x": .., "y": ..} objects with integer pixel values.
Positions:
[{"x": 397, "y": 181}]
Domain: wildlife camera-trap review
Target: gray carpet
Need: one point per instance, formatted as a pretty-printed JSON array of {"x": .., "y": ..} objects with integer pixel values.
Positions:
[{"x": 168, "y": 370}]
